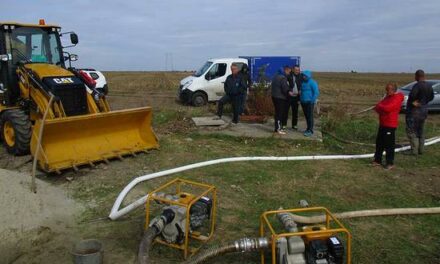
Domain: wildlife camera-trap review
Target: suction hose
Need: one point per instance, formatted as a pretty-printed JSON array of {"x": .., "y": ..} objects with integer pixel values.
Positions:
[
  {"x": 156, "y": 227},
  {"x": 146, "y": 244},
  {"x": 241, "y": 245},
  {"x": 117, "y": 212},
  {"x": 365, "y": 213}
]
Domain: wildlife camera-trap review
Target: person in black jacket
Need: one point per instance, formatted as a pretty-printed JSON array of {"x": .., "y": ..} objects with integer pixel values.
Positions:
[
  {"x": 295, "y": 82},
  {"x": 417, "y": 112},
  {"x": 280, "y": 93},
  {"x": 234, "y": 88},
  {"x": 247, "y": 80}
]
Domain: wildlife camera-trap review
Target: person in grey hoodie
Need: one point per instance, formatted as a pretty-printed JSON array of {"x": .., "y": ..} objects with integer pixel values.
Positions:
[
  {"x": 280, "y": 93},
  {"x": 417, "y": 112}
]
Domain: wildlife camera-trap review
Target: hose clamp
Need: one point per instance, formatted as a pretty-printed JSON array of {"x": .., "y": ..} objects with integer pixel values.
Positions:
[{"x": 251, "y": 244}]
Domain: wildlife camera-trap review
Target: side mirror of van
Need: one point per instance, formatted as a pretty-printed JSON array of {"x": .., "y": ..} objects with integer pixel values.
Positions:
[{"x": 208, "y": 76}]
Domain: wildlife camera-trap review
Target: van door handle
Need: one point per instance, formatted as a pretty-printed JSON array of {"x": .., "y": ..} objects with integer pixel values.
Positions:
[{"x": 223, "y": 82}]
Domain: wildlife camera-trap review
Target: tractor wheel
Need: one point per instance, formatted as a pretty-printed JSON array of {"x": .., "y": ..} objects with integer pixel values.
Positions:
[
  {"x": 199, "y": 99},
  {"x": 16, "y": 131}
]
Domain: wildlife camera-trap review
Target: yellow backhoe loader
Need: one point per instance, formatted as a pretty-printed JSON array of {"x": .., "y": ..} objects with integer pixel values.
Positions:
[{"x": 79, "y": 127}]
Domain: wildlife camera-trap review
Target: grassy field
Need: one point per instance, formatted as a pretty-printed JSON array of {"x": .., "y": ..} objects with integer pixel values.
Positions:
[{"x": 248, "y": 189}]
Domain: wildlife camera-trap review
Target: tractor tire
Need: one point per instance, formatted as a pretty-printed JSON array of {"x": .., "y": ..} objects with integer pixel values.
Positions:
[
  {"x": 16, "y": 131},
  {"x": 199, "y": 99}
]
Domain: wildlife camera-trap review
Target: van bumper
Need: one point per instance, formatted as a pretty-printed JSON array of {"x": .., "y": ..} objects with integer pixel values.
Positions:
[{"x": 185, "y": 95}]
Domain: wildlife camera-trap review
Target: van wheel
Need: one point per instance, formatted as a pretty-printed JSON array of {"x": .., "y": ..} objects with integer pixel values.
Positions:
[
  {"x": 199, "y": 99},
  {"x": 16, "y": 131}
]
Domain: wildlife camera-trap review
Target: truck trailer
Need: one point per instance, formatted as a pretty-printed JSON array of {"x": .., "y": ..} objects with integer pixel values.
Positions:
[{"x": 206, "y": 84}]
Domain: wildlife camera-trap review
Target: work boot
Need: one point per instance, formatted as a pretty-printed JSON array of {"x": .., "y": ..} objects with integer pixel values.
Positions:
[
  {"x": 414, "y": 142},
  {"x": 421, "y": 145},
  {"x": 389, "y": 167}
]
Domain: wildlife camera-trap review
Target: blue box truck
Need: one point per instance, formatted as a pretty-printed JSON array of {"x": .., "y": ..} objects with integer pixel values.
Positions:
[{"x": 263, "y": 68}]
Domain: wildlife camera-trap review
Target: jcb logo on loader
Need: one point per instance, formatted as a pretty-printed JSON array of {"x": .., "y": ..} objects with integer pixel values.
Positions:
[{"x": 63, "y": 80}]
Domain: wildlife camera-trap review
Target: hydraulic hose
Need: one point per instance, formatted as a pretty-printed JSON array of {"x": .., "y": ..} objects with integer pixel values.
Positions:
[
  {"x": 146, "y": 244},
  {"x": 116, "y": 212},
  {"x": 37, "y": 151},
  {"x": 365, "y": 213},
  {"x": 241, "y": 245}
]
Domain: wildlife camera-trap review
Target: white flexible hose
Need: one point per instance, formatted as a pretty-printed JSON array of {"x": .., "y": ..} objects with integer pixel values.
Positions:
[
  {"x": 117, "y": 213},
  {"x": 363, "y": 213}
]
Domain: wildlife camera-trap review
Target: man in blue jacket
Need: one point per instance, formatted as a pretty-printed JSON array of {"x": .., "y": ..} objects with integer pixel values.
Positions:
[{"x": 308, "y": 96}]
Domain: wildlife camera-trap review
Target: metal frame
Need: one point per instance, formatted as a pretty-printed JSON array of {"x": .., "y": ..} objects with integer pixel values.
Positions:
[
  {"x": 264, "y": 221},
  {"x": 177, "y": 183}
]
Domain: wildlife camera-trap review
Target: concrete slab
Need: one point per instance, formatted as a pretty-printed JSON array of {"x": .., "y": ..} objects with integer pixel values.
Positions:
[
  {"x": 208, "y": 121},
  {"x": 264, "y": 130}
]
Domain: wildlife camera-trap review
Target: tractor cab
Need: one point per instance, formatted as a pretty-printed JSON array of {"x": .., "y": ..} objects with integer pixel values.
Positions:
[{"x": 28, "y": 44}]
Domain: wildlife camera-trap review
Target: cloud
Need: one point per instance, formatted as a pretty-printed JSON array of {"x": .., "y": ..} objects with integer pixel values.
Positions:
[{"x": 375, "y": 35}]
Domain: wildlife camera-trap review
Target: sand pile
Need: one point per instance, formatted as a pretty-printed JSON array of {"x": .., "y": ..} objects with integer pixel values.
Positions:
[{"x": 28, "y": 219}]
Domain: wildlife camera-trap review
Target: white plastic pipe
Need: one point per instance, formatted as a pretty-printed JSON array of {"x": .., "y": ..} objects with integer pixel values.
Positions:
[
  {"x": 365, "y": 213},
  {"x": 117, "y": 213}
]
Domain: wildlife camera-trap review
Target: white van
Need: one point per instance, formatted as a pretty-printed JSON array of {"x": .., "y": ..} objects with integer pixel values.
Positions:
[{"x": 207, "y": 84}]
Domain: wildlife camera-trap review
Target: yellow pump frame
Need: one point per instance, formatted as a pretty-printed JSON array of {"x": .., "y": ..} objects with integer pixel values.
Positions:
[
  {"x": 176, "y": 184},
  {"x": 340, "y": 228}
]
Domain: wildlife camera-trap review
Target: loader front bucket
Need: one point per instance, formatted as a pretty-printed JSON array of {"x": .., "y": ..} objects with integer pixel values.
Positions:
[{"x": 72, "y": 141}]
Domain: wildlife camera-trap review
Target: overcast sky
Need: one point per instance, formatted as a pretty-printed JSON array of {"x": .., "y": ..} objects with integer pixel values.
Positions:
[{"x": 337, "y": 35}]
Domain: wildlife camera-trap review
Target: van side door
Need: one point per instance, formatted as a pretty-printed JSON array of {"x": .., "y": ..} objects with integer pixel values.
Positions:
[{"x": 215, "y": 78}]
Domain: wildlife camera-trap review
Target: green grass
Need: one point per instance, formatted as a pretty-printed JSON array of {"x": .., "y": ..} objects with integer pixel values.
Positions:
[
  {"x": 260, "y": 186},
  {"x": 247, "y": 189}
]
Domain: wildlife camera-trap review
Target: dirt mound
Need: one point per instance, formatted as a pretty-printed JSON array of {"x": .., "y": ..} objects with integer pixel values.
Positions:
[{"x": 29, "y": 220}]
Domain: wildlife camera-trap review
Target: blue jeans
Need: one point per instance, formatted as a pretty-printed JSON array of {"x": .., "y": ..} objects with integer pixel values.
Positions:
[{"x": 308, "y": 108}]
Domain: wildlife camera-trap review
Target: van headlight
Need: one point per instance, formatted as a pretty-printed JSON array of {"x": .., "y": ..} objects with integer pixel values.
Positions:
[{"x": 187, "y": 84}]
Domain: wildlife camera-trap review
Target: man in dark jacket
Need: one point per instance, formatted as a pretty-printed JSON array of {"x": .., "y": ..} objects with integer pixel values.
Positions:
[
  {"x": 295, "y": 81},
  {"x": 280, "y": 93},
  {"x": 247, "y": 80},
  {"x": 234, "y": 88},
  {"x": 417, "y": 112}
]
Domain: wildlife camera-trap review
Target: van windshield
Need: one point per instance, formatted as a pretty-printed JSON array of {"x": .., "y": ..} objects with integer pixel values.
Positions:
[{"x": 203, "y": 69}]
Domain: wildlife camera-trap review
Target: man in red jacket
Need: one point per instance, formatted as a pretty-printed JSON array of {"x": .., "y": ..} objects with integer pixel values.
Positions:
[{"x": 388, "y": 110}]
